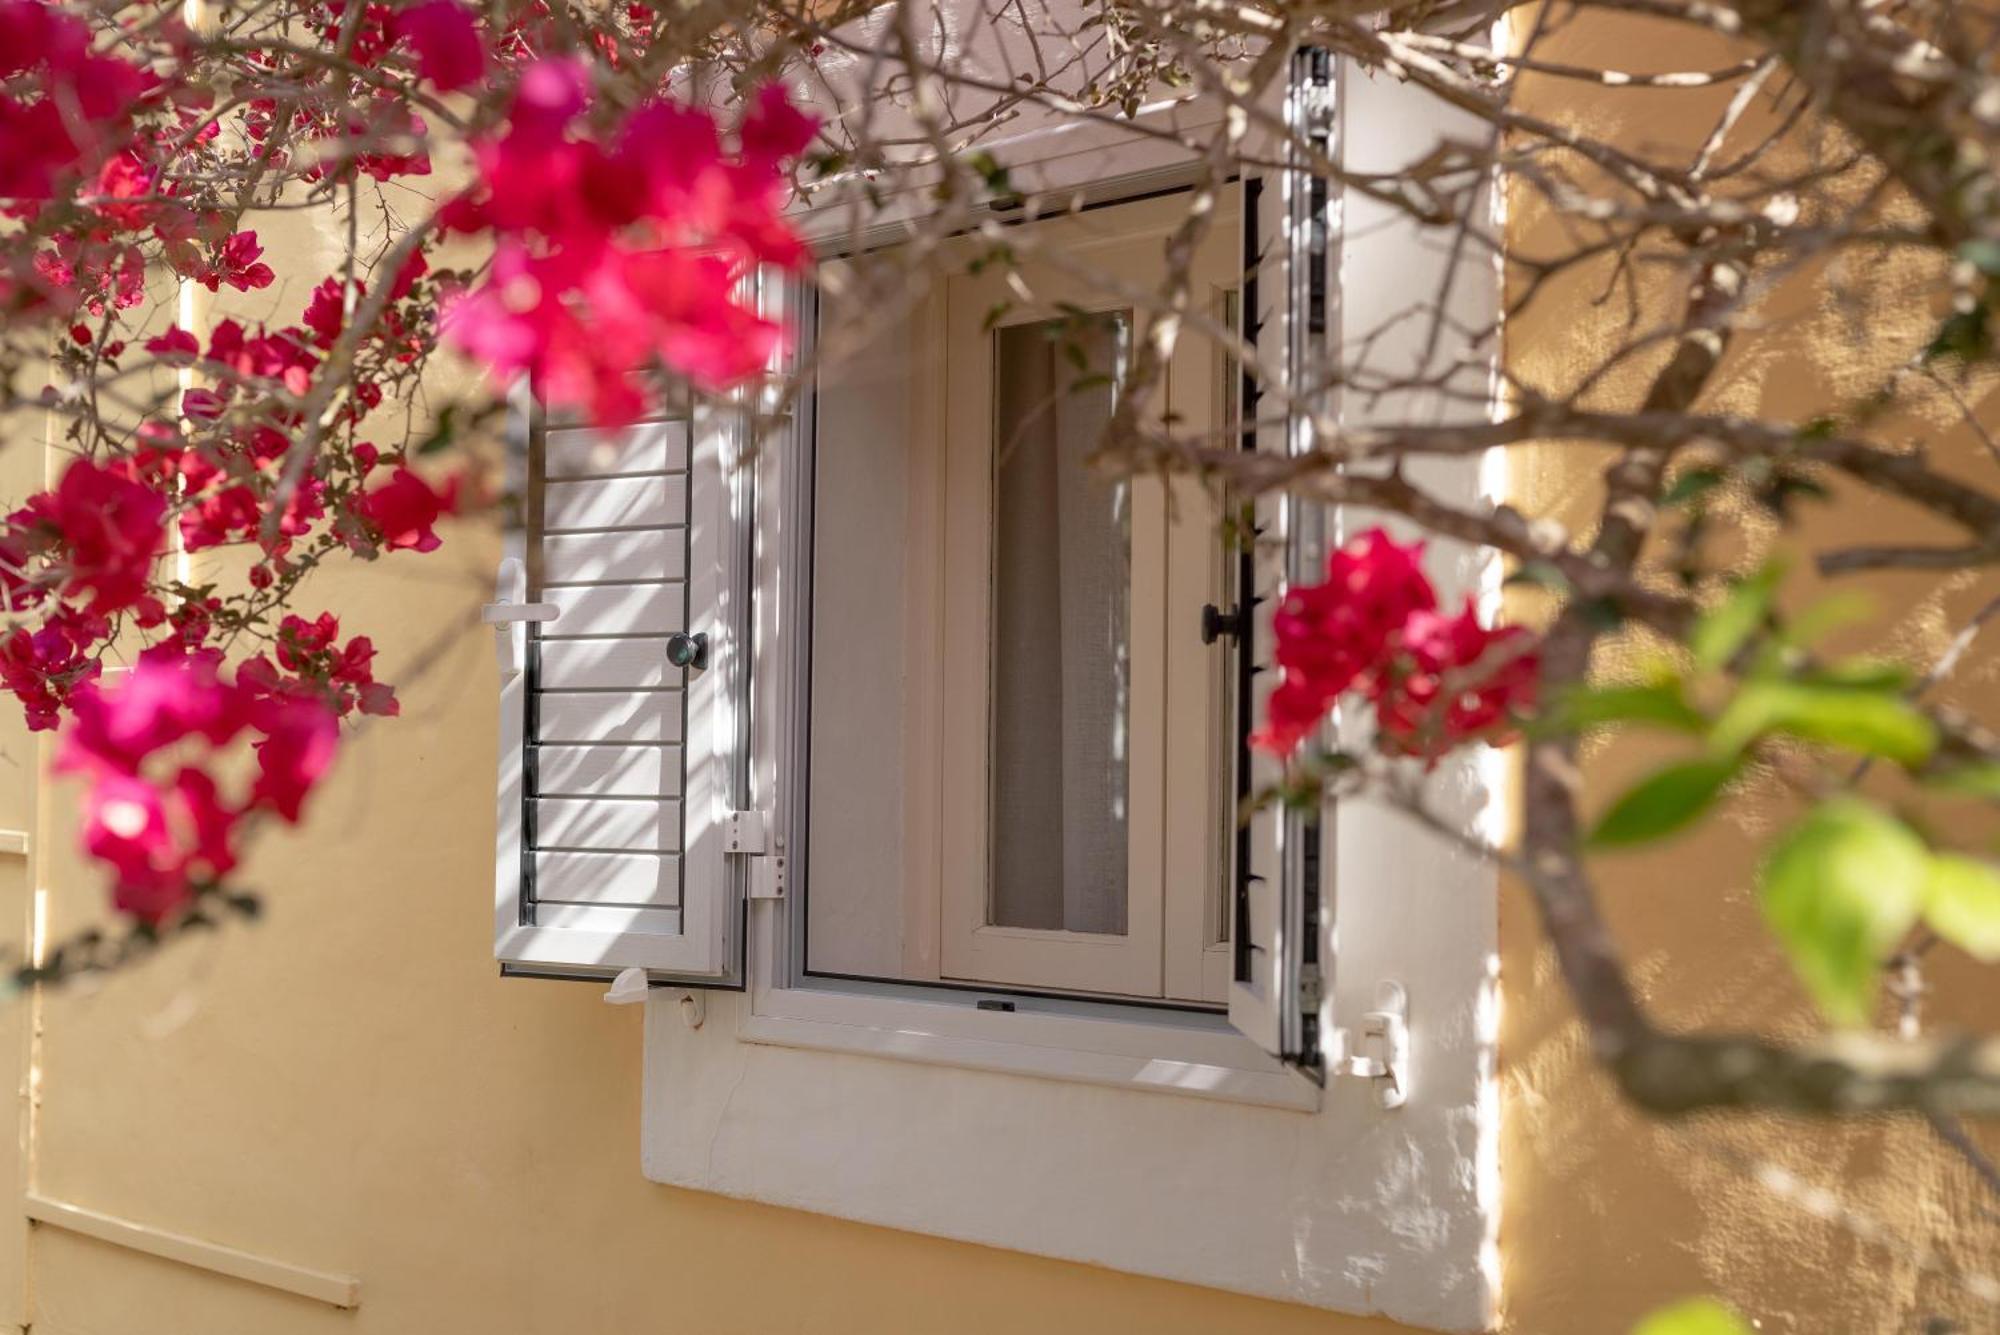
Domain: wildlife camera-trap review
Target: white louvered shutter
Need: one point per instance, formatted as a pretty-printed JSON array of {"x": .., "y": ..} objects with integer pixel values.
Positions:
[
  {"x": 1275, "y": 992},
  {"x": 618, "y": 768}
]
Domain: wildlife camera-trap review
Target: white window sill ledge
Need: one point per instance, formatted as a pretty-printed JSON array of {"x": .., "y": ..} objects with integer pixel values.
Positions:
[{"x": 1141, "y": 1053}]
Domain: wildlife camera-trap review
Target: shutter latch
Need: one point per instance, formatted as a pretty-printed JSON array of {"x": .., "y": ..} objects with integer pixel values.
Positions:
[
  {"x": 1379, "y": 1050},
  {"x": 749, "y": 834}
]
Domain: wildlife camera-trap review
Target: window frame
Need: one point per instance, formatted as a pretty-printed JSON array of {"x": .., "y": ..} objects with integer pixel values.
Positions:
[
  {"x": 1139, "y": 1044},
  {"x": 774, "y": 1094}
]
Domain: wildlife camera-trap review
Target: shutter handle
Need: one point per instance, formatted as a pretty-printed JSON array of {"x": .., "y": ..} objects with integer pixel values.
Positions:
[
  {"x": 688, "y": 651},
  {"x": 1216, "y": 623}
]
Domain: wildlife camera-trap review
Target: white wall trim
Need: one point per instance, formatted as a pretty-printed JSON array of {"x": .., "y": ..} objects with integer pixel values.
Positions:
[{"x": 335, "y": 1290}]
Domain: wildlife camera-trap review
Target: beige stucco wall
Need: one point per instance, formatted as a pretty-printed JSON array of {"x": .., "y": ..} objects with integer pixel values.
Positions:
[{"x": 350, "y": 1086}]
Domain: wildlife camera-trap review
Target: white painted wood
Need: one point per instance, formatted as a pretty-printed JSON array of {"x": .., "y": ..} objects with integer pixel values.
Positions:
[
  {"x": 335, "y": 1290},
  {"x": 609, "y": 771},
  {"x": 613, "y": 558},
  {"x": 608, "y": 878},
  {"x": 622, "y": 502},
  {"x": 634, "y": 935},
  {"x": 692, "y": 941},
  {"x": 1167, "y": 851},
  {"x": 582, "y": 665},
  {"x": 650, "y": 447},
  {"x": 606, "y": 824},
  {"x": 1263, "y": 988},
  {"x": 616, "y": 609},
  {"x": 609, "y": 716},
  {"x": 865, "y": 670}
]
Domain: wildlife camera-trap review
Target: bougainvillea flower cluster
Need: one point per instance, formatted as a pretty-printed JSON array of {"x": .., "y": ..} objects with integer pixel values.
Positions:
[
  {"x": 621, "y": 246},
  {"x": 64, "y": 109},
  {"x": 1372, "y": 627},
  {"x": 619, "y": 237},
  {"x": 150, "y": 743}
]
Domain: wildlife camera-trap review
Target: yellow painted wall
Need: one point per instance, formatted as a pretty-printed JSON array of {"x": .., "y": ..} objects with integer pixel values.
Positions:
[{"x": 350, "y": 1086}]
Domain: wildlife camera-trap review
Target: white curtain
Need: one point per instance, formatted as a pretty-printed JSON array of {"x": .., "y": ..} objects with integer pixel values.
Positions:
[{"x": 1061, "y": 655}]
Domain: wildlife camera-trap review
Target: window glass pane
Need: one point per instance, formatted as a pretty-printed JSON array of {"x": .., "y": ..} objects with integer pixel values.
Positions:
[{"x": 1061, "y": 632}]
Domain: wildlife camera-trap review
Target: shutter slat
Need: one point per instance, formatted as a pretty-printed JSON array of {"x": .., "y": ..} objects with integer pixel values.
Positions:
[
  {"x": 610, "y": 716},
  {"x": 626, "y": 502},
  {"x": 617, "y": 609},
  {"x": 609, "y": 771},
  {"x": 608, "y": 825},
  {"x": 583, "y": 665},
  {"x": 608, "y": 878},
  {"x": 608, "y": 921},
  {"x": 614, "y": 558},
  {"x": 653, "y": 447}
]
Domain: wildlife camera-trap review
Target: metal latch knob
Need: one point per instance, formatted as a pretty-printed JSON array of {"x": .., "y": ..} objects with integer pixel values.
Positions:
[
  {"x": 686, "y": 650},
  {"x": 1216, "y": 623}
]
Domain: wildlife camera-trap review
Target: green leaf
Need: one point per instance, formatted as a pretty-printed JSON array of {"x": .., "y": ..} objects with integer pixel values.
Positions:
[
  {"x": 1727, "y": 627},
  {"x": 1866, "y": 674},
  {"x": 442, "y": 432},
  {"x": 1661, "y": 704},
  {"x": 1541, "y": 575},
  {"x": 1694, "y": 1316},
  {"x": 1692, "y": 485},
  {"x": 1977, "y": 780},
  {"x": 1867, "y": 722},
  {"x": 1825, "y": 615},
  {"x": 1983, "y": 254},
  {"x": 1964, "y": 336},
  {"x": 1664, "y": 801},
  {"x": 1962, "y": 904},
  {"x": 1840, "y": 890}
]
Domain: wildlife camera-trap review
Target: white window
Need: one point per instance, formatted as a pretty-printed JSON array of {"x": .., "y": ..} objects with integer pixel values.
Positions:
[
  {"x": 1067, "y": 824},
  {"x": 877, "y": 709},
  {"x": 616, "y": 761}
]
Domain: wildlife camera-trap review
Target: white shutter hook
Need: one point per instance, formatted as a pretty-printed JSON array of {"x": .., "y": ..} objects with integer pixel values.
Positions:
[{"x": 629, "y": 986}]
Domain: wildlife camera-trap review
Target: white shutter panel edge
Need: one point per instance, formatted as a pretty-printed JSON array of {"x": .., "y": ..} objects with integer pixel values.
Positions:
[
  {"x": 1275, "y": 989},
  {"x": 617, "y": 769}
]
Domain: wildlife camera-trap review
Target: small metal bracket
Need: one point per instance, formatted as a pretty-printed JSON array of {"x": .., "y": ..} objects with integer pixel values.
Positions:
[
  {"x": 744, "y": 832},
  {"x": 768, "y": 875},
  {"x": 1380, "y": 1049}
]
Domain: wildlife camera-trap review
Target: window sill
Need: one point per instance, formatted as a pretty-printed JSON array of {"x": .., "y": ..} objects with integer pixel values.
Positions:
[{"x": 1145, "y": 1053}]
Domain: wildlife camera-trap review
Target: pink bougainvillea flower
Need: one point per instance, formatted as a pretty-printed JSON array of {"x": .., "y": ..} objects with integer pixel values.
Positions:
[
  {"x": 167, "y": 696},
  {"x": 44, "y": 666},
  {"x": 177, "y": 344},
  {"x": 237, "y": 264},
  {"x": 775, "y": 130},
  {"x": 312, "y": 662},
  {"x": 446, "y": 39},
  {"x": 159, "y": 843},
  {"x": 1330, "y": 635},
  {"x": 299, "y": 738},
  {"x": 404, "y": 509},
  {"x": 327, "y": 311},
  {"x": 1436, "y": 681},
  {"x": 165, "y": 835},
  {"x": 614, "y": 254},
  {"x": 75, "y": 110},
  {"x": 104, "y": 529},
  {"x": 1453, "y": 681}
]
